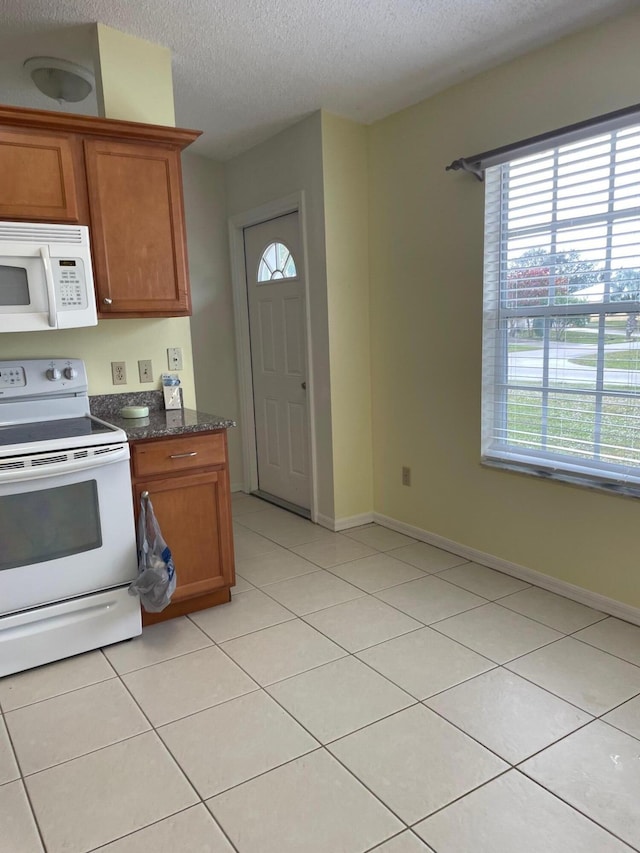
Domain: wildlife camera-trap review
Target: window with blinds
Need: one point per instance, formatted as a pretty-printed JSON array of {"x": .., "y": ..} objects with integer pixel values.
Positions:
[{"x": 561, "y": 349}]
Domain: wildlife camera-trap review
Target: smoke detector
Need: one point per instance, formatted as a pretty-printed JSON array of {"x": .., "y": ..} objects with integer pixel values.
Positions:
[{"x": 60, "y": 79}]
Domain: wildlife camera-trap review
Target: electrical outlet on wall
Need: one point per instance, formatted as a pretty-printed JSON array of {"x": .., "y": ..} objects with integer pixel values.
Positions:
[
  {"x": 174, "y": 358},
  {"x": 145, "y": 370},
  {"x": 119, "y": 372},
  {"x": 406, "y": 475}
]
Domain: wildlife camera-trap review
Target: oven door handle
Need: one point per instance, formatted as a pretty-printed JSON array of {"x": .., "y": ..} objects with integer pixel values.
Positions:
[
  {"x": 20, "y": 475},
  {"x": 51, "y": 290}
]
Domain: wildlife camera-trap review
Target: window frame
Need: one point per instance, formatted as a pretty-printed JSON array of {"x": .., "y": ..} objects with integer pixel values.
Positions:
[{"x": 624, "y": 478}]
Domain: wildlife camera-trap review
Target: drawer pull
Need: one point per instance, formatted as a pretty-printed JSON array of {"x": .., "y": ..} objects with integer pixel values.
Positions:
[{"x": 183, "y": 455}]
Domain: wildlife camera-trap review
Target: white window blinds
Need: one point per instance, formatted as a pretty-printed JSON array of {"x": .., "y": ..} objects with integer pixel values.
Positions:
[{"x": 561, "y": 350}]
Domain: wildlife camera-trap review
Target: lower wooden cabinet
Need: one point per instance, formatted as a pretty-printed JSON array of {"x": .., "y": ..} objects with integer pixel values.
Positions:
[{"x": 187, "y": 478}]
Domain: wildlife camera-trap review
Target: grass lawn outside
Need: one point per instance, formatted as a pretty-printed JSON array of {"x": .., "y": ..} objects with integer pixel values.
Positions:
[
  {"x": 569, "y": 336},
  {"x": 570, "y": 424},
  {"x": 524, "y": 347},
  {"x": 618, "y": 360},
  {"x": 584, "y": 336}
]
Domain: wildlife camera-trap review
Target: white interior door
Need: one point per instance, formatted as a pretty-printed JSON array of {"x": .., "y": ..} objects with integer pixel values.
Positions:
[{"x": 277, "y": 323}]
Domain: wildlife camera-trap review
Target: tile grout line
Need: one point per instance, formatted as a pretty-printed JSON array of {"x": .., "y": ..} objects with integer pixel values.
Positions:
[
  {"x": 576, "y": 809},
  {"x": 324, "y": 746},
  {"x": 211, "y": 644},
  {"x": 517, "y": 674},
  {"x": 179, "y": 766},
  {"x": 25, "y": 789},
  {"x": 435, "y": 574},
  {"x": 56, "y": 695},
  {"x": 321, "y": 746},
  {"x": 432, "y": 625},
  {"x": 558, "y": 696},
  {"x": 604, "y": 651},
  {"x": 155, "y": 823},
  {"x": 512, "y": 764}
]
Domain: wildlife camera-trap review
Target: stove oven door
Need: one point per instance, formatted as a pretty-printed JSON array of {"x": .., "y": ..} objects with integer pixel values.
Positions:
[{"x": 66, "y": 526}]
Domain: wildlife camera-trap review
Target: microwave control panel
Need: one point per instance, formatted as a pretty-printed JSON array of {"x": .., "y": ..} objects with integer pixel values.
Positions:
[
  {"x": 12, "y": 377},
  {"x": 70, "y": 283}
]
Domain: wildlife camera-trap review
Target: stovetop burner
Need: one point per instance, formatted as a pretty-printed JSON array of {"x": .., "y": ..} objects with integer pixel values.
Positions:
[{"x": 49, "y": 430}]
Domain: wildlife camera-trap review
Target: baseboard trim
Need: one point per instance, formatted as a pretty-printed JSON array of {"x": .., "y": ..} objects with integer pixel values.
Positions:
[
  {"x": 569, "y": 590},
  {"x": 337, "y": 524}
]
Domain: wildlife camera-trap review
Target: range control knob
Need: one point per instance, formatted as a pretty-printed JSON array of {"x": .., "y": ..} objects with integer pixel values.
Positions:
[
  {"x": 54, "y": 374},
  {"x": 70, "y": 373}
]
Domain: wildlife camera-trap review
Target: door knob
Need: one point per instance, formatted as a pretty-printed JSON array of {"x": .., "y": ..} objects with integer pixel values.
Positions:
[
  {"x": 303, "y": 385},
  {"x": 107, "y": 300}
]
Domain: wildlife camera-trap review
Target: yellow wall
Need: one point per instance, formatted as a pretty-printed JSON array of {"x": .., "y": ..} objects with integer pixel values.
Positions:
[
  {"x": 344, "y": 158},
  {"x": 136, "y": 77},
  {"x": 426, "y": 236},
  {"x": 111, "y": 340}
]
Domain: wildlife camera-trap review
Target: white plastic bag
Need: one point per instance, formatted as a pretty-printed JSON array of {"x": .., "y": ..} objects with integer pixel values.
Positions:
[{"x": 156, "y": 581}]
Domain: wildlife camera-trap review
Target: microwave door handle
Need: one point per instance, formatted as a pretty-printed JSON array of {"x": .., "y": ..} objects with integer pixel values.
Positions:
[{"x": 51, "y": 290}]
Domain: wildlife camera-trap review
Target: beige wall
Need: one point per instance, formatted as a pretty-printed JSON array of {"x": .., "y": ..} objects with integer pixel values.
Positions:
[
  {"x": 212, "y": 326},
  {"x": 142, "y": 99},
  {"x": 426, "y": 235},
  {"x": 285, "y": 164},
  {"x": 344, "y": 155},
  {"x": 134, "y": 79}
]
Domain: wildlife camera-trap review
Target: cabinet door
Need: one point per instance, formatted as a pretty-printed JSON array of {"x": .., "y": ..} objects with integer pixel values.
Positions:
[
  {"x": 137, "y": 225},
  {"x": 193, "y": 514},
  {"x": 38, "y": 181}
]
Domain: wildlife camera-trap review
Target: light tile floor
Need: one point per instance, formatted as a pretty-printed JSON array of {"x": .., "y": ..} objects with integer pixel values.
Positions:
[{"x": 362, "y": 692}]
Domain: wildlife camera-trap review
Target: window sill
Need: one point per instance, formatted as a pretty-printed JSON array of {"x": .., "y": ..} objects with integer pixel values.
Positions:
[{"x": 627, "y": 490}]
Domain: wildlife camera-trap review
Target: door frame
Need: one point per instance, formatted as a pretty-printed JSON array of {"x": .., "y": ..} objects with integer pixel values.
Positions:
[{"x": 294, "y": 203}]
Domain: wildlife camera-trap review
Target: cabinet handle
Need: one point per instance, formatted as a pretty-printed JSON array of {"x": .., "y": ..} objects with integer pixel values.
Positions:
[
  {"x": 183, "y": 455},
  {"x": 107, "y": 300}
]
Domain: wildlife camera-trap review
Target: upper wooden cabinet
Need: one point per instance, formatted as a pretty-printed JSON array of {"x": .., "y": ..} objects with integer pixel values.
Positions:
[
  {"x": 121, "y": 178},
  {"x": 137, "y": 222},
  {"x": 38, "y": 176}
]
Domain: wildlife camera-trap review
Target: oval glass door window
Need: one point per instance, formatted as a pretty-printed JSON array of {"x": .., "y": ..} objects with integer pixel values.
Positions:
[{"x": 276, "y": 262}]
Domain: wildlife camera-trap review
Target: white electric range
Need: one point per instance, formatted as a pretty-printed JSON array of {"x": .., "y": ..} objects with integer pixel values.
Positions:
[{"x": 67, "y": 536}]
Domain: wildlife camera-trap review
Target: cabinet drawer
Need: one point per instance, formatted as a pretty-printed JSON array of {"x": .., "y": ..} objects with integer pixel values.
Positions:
[{"x": 178, "y": 454}]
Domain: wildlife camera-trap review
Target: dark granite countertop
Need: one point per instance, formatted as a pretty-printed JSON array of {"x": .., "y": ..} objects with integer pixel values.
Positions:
[{"x": 161, "y": 423}]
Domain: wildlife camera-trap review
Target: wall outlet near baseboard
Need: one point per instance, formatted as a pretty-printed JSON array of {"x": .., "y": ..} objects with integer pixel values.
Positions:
[
  {"x": 119, "y": 372},
  {"x": 406, "y": 475}
]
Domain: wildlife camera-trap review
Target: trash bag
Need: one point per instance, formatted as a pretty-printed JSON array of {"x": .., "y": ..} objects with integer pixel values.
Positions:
[{"x": 156, "y": 581}]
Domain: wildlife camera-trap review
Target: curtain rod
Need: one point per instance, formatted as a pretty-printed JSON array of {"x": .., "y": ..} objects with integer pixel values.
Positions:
[{"x": 477, "y": 163}]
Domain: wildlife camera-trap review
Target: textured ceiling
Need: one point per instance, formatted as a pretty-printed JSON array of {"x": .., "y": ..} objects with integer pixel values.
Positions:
[{"x": 245, "y": 69}]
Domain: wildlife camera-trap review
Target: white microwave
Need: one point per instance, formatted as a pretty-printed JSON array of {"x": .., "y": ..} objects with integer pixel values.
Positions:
[{"x": 46, "y": 280}]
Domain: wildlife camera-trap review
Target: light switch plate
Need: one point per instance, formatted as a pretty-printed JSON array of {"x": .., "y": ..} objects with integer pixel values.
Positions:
[{"x": 145, "y": 370}]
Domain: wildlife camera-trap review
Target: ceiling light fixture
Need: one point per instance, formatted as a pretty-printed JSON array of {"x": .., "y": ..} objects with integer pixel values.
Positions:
[{"x": 60, "y": 79}]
